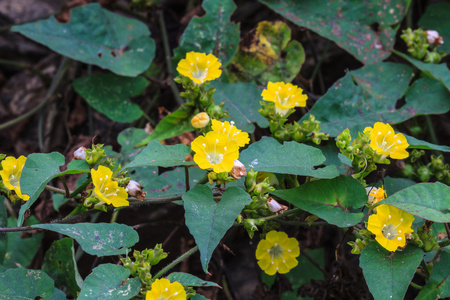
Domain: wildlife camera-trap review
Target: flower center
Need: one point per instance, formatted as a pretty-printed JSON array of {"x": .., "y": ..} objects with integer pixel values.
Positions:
[
  {"x": 388, "y": 141},
  {"x": 276, "y": 251},
  {"x": 14, "y": 178},
  {"x": 390, "y": 231},
  {"x": 214, "y": 157},
  {"x": 199, "y": 72}
]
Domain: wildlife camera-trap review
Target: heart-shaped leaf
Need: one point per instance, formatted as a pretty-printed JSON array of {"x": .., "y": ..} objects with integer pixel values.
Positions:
[
  {"x": 25, "y": 284},
  {"x": 207, "y": 220}
]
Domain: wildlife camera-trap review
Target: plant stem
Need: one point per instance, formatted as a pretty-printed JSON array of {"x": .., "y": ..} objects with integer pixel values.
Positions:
[
  {"x": 176, "y": 261},
  {"x": 55, "y": 190},
  {"x": 55, "y": 82},
  {"x": 425, "y": 268},
  {"x": 314, "y": 263},
  {"x": 186, "y": 174},
  {"x": 414, "y": 285},
  {"x": 168, "y": 56},
  {"x": 13, "y": 229},
  {"x": 114, "y": 216},
  {"x": 66, "y": 188}
]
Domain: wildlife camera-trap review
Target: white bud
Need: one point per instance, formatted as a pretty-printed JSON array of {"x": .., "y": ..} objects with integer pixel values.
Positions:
[
  {"x": 275, "y": 207},
  {"x": 433, "y": 37},
  {"x": 371, "y": 190},
  {"x": 134, "y": 189},
  {"x": 238, "y": 170},
  {"x": 80, "y": 153}
]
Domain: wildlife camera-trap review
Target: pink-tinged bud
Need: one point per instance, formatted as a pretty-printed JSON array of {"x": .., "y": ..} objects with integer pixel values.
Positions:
[
  {"x": 433, "y": 38},
  {"x": 238, "y": 170},
  {"x": 200, "y": 120},
  {"x": 80, "y": 153},
  {"x": 276, "y": 207},
  {"x": 134, "y": 189}
]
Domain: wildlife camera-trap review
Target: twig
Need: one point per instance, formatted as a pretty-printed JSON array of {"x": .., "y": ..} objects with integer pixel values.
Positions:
[
  {"x": 55, "y": 82},
  {"x": 176, "y": 261},
  {"x": 13, "y": 229}
]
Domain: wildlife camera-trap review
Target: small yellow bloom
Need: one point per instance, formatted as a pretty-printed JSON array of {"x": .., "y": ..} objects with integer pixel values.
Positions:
[
  {"x": 233, "y": 134},
  {"x": 285, "y": 96},
  {"x": 108, "y": 190},
  {"x": 12, "y": 170},
  {"x": 390, "y": 225},
  {"x": 375, "y": 195},
  {"x": 277, "y": 253},
  {"x": 200, "y": 67},
  {"x": 215, "y": 151},
  {"x": 384, "y": 141},
  {"x": 163, "y": 289},
  {"x": 200, "y": 120}
]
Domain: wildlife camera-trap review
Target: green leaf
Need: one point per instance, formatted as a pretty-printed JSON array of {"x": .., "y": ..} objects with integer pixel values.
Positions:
[
  {"x": 198, "y": 297},
  {"x": 25, "y": 284},
  {"x": 386, "y": 275},
  {"x": 109, "y": 281},
  {"x": 207, "y": 220},
  {"x": 267, "y": 54},
  {"x": 436, "y": 71},
  {"x": 190, "y": 280},
  {"x": 172, "y": 125},
  {"x": 127, "y": 139},
  {"x": 59, "y": 263},
  {"x": 298, "y": 277},
  {"x": 429, "y": 201},
  {"x": 99, "y": 239},
  {"x": 373, "y": 99},
  {"x": 110, "y": 94},
  {"x": 3, "y": 235},
  {"x": 419, "y": 144},
  {"x": 242, "y": 103},
  {"x": 39, "y": 169},
  {"x": 268, "y": 155},
  {"x": 438, "y": 286},
  {"x": 394, "y": 185},
  {"x": 348, "y": 23},
  {"x": 58, "y": 200},
  {"x": 57, "y": 295},
  {"x": 330, "y": 199},
  {"x": 212, "y": 33},
  {"x": 168, "y": 184},
  {"x": 159, "y": 155},
  {"x": 96, "y": 36},
  {"x": 436, "y": 18},
  {"x": 21, "y": 251}
]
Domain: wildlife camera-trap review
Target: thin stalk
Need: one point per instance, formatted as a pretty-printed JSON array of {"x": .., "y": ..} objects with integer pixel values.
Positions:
[
  {"x": 55, "y": 190},
  {"x": 414, "y": 285},
  {"x": 55, "y": 82},
  {"x": 14, "y": 229},
  {"x": 10, "y": 209},
  {"x": 114, "y": 216},
  {"x": 431, "y": 131},
  {"x": 314, "y": 263},
  {"x": 176, "y": 262},
  {"x": 165, "y": 41},
  {"x": 186, "y": 175},
  {"x": 66, "y": 188},
  {"x": 425, "y": 268}
]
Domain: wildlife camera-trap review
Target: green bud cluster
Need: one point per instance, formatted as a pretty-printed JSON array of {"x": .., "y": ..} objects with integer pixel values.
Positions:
[
  {"x": 142, "y": 264},
  {"x": 418, "y": 47},
  {"x": 95, "y": 154},
  {"x": 363, "y": 158},
  {"x": 363, "y": 238},
  {"x": 308, "y": 130},
  {"x": 435, "y": 170},
  {"x": 219, "y": 178},
  {"x": 429, "y": 241}
]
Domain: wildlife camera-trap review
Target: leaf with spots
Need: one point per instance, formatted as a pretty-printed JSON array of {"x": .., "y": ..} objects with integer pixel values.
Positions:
[
  {"x": 110, "y": 94},
  {"x": 207, "y": 220},
  {"x": 367, "y": 95},
  {"x": 109, "y": 281},
  {"x": 348, "y": 23},
  {"x": 212, "y": 33},
  {"x": 101, "y": 239},
  {"x": 96, "y": 36},
  {"x": 59, "y": 263},
  {"x": 331, "y": 199},
  {"x": 39, "y": 169},
  {"x": 429, "y": 201},
  {"x": 388, "y": 274},
  {"x": 25, "y": 284}
]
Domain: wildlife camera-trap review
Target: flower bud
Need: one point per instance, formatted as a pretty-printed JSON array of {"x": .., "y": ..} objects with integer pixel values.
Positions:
[
  {"x": 276, "y": 207},
  {"x": 200, "y": 120},
  {"x": 80, "y": 153},
  {"x": 433, "y": 38},
  {"x": 134, "y": 189},
  {"x": 215, "y": 111},
  {"x": 238, "y": 170}
]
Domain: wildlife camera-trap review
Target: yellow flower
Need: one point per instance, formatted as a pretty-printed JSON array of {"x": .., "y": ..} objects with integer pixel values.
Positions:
[
  {"x": 285, "y": 96},
  {"x": 200, "y": 120},
  {"x": 384, "y": 141},
  {"x": 390, "y": 225},
  {"x": 277, "y": 253},
  {"x": 200, "y": 67},
  {"x": 233, "y": 134},
  {"x": 215, "y": 151},
  {"x": 162, "y": 289},
  {"x": 12, "y": 170},
  {"x": 107, "y": 189},
  {"x": 375, "y": 195}
]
